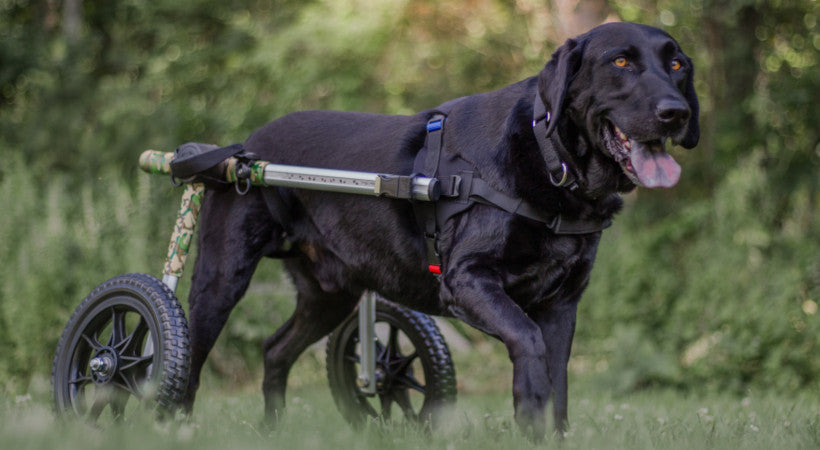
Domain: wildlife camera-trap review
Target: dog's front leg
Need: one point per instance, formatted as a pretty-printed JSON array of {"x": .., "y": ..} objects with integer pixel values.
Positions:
[
  {"x": 558, "y": 328},
  {"x": 481, "y": 301}
]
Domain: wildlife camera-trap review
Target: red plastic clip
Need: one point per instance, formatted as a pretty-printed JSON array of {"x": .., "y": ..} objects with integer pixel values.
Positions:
[{"x": 434, "y": 268}]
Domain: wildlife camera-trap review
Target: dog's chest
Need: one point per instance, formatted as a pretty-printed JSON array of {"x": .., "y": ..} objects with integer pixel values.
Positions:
[{"x": 543, "y": 267}]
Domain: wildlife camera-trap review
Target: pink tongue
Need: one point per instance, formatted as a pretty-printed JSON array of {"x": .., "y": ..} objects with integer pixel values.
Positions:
[{"x": 654, "y": 167}]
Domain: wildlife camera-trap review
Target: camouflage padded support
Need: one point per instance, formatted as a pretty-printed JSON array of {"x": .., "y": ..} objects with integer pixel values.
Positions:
[{"x": 184, "y": 229}]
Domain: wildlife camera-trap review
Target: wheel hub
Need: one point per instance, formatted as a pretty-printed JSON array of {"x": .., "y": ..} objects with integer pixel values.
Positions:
[
  {"x": 380, "y": 379},
  {"x": 103, "y": 366}
]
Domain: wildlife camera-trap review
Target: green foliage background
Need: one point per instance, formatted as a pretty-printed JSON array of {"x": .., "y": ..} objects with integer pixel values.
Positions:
[{"x": 711, "y": 285}]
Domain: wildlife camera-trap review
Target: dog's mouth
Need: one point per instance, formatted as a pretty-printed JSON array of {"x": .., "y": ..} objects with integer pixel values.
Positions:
[{"x": 646, "y": 163}]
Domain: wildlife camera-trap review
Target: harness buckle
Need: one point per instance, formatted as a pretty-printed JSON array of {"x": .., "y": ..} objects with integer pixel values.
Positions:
[{"x": 450, "y": 186}]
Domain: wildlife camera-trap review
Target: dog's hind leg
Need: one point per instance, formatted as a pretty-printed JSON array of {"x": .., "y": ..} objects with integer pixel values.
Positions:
[
  {"x": 234, "y": 234},
  {"x": 317, "y": 313}
]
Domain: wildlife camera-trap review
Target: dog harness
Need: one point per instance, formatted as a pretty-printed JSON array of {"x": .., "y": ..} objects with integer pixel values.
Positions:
[{"x": 461, "y": 187}]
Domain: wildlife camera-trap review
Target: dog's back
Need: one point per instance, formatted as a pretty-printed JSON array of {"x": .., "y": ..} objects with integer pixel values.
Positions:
[{"x": 341, "y": 140}]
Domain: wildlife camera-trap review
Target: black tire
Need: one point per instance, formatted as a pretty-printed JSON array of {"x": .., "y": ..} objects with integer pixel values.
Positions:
[
  {"x": 413, "y": 365},
  {"x": 133, "y": 331}
]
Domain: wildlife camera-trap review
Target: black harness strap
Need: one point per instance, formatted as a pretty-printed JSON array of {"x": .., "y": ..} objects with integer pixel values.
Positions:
[
  {"x": 193, "y": 159},
  {"x": 435, "y": 140},
  {"x": 482, "y": 192},
  {"x": 426, "y": 212}
]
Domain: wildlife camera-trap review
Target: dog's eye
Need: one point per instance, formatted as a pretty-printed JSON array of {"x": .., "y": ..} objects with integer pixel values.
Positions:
[
  {"x": 620, "y": 61},
  {"x": 676, "y": 65}
]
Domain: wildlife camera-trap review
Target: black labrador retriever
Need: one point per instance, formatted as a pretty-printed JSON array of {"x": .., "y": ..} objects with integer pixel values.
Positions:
[{"x": 598, "y": 114}]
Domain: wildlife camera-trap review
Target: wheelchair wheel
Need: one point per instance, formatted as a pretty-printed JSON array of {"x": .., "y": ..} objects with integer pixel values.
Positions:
[
  {"x": 414, "y": 372},
  {"x": 125, "y": 348}
]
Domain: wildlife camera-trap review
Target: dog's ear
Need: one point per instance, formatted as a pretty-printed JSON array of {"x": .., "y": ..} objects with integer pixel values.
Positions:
[
  {"x": 693, "y": 129},
  {"x": 555, "y": 77}
]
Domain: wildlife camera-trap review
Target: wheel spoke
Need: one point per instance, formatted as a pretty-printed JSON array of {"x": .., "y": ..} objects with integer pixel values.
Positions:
[
  {"x": 94, "y": 341},
  {"x": 403, "y": 364},
  {"x": 366, "y": 406},
  {"x": 410, "y": 382},
  {"x": 129, "y": 344},
  {"x": 134, "y": 372},
  {"x": 386, "y": 404},
  {"x": 117, "y": 327},
  {"x": 135, "y": 363},
  {"x": 382, "y": 351},
  {"x": 118, "y": 403},
  {"x": 403, "y": 400},
  {"x": 101, "y": 400},
  {"x": 128, "y": 382},
  {"x": 127, "y": 385},
  {"x": 80, "y": 381},
  {"x": 393, "y": 341}
]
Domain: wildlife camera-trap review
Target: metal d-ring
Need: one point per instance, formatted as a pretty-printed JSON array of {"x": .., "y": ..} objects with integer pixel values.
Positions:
[
  {"x": 564, "y": 176},
  {"x": 240, "y": 188},
  {"x": 242, "y": 172}
]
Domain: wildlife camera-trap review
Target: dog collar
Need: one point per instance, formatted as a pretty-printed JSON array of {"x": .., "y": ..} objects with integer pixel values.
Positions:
[{"x": 559, "y": 173}]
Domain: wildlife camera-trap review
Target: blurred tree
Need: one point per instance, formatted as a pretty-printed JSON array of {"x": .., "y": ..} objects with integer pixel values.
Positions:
[
  {"x": 72, "y": 20},
  {"x": 569, "y": 18}
]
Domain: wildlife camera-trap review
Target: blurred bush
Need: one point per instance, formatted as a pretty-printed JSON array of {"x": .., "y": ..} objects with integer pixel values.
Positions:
[{"x": 714, "y": 286}]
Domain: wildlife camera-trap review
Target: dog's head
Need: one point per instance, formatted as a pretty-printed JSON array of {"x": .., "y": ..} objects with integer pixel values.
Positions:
[{"x": 630, "y": 87}]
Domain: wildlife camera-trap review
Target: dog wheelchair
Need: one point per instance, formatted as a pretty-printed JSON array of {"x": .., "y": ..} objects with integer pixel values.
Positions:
[{"x": 126, "y": 347}]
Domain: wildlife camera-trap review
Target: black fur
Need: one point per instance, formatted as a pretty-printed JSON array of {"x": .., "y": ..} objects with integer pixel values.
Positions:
[{"x": 506, "y": 275}]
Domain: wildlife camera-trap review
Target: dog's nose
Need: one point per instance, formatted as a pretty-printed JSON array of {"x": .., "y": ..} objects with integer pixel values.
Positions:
[{"x": 672, "y": 111}]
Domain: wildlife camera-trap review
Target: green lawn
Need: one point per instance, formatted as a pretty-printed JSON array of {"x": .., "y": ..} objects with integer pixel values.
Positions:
[{"x": 650, "y": 419}]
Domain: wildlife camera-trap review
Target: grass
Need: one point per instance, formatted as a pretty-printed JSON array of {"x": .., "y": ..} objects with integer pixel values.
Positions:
[{"x": 654, "y": 419}]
